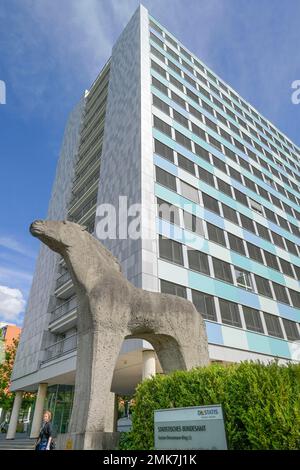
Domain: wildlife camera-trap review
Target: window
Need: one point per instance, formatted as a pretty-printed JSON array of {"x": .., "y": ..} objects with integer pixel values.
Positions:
[
  {"x": 210, "y": 203},
  {"x": 158, "y": 54},
  {"x": 253, "y": 320},
  {"x": 211, "y": 124},
  {"x": 278, "y": 240},
  {"x": 222, "y": 270},
  {"x": 206, "y": 176},
  {"x": 167, "y": 287},
  {"x": 273, "y": 325},
  {"x": 193, "y": 223},
  {"x": 198, "y": 131},
  {"x": 201, "y": 152},
  {"x": 295, "y": 296},
  {"x": 162, "y": 126},
  {"x": 178, "y": 99},
  {"x": 291, "y": 247},
  {"x": 256, "y": 207},
  {"x": 249, "y": 184},
  {"x": 230, "y": 313},
  {"x": 163, "y": 150},
  {"x": 236, "y": 244},
  {"x": 215, "y": 143},
  {"x": 172, "y": 53},
  {"x": 247, "y": 223},
  {"x": 215, "y": 234},
  {"x": 280, "y": 293},
  {"x": 297, "y": 269},
  {"x": 287, "y": 268},
  {"x": 170, "y": 250},
  {"x": 180, "y": 118},
  {"x": 183, "y": 140},
  {"x": 198, "y": 261},
  {"x": 291, "y": 330},
  {"x": 176, "y": 83},
  {"x": 263, "y": 232},
  {"x": 270, "y": 215},
  {"x": 192, "y": 95},
  {"x": 224, "y": 187},
  {"x": 271, "y": 260},
  {"x": 254, "y": 252},
  {"x": 240, "y": 197},
  {"x": 186, "y": 164},
  {"x": 195, "y": 112},
  {"x": 160, "y": 86},
  {"x": 219, "y": 164},
  {"x": 174, "y": 67},
  {"x": 166, "y": 179},
  {"x": 243, "y": 278},
  {"x": 168, "y": 211},
  {"x": 263, "y": 286},
  {"x": 204, "y": 303},
  {"x": 155, "y": 39},
  {"x": 158, "y": 69},
  {"x": 230, "y": 214},
  {"x": 158, "y": 103},
  {"x": 189, "y": 192}
]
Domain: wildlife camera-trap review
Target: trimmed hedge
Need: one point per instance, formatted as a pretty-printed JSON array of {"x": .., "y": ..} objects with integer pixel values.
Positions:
[{"x": 261, "y": 403}]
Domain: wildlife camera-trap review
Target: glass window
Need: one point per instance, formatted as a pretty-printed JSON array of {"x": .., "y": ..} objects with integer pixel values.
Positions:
[
  {"x": 247, "y": 223},
  {"x": 170, "y": 250},
  {"x": 158, "y": 54},
  {"x": 271, "y": 260},
  {"x": 256, "y": 207},
  {"x": 295, "y": 296},
  {"x": 186, "y": 164},
  {"x": 198, "y": 261},
  {"x": 183, "y": 140},
  {"x": 219, "y": 164},
  {"x": 273, "y": 325},
  {"x": 291, "y": 330},
  {"x": 178, "y": 99},
  {"x": 230, "y": 214},
  {"x": 193, "y": 223},
  {"x": 280, "y": 293},
  {"x": 236, "y": 244},
  {"x": 253, "y": 320},
  {"x": 198, "y": 131},
  {"x": 230, "y": 313},
  {"x": 180, "y": 118},
  {"x": 224, "y": 187},
  {"x": 287, "y": 268},
  {"x": 204, "y": 303},
  {"x": 206, "y": 176},
  {"x": 263, "y": 286},
  {"x": 163, "y": 150},
  {"x": 176, "y": 83},
  {"x": 243, "y": 278},
  {"x": 167, "y": 287},
  {"x": 240, "y": 197},
  {"x": 263, "y": 232},
  {"x": 201, "y": 152},
  {"x": 166, "y": 179},
  {"x": 215, "y": 234},
  {"x": 254, "y": 252},
  {"x": 210, "y": 203},
  {"x": 162, "y": 126},
  {"x": 290, "y": 246},
  {"x": 160, "y": 104},
  {"x": 160, "y": 86},
  {"x": 222, "y": 270},
  {"x": 278, "y": 240},
  {"x": 189, "y": 192},
  {"x": 168, "y": 211},
  {"x": 158, "y": 69}
]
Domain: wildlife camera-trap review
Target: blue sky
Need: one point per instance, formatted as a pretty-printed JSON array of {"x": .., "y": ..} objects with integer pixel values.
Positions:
[{"x": 51, "y": 50}]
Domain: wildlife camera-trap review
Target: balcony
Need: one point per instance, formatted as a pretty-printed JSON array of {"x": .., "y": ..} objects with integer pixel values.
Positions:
[
  {"x": 64, "y": 308},
  {"x": 60, "y": 348},
  {"x": 64, "y": 286},
  {"x": 64, "y": 317}
]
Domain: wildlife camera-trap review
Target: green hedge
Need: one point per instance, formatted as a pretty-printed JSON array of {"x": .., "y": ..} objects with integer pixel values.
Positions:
[{"x": 261, "y": 403}]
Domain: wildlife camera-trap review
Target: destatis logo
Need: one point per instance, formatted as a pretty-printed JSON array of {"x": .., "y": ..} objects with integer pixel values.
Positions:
[
  {"x": 2, "y": 92},
  {"x": 296, "y": 94}
]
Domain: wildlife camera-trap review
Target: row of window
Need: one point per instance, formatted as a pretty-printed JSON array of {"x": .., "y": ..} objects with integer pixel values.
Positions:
[
  {"x": 291, "y": 150},
  {"x": 212, "y": 125},
  {"x": 221, "y": 165},
  {"x": 172, "y": 250},
  {"x": 222, "y": 186},
  {"x": 213, "y": 233},
  {"x": 166, "y": 179},
  {"x": 232, "y": 313}
]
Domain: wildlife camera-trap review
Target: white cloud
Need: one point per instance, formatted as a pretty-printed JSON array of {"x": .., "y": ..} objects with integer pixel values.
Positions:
[{"x": 12, "y": 304}]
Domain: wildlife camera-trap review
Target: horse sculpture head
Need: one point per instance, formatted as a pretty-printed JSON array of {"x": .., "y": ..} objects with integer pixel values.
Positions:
[{"x": 65, "y": 236}]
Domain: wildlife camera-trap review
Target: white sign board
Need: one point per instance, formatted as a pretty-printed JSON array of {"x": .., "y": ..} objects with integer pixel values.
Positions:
[{"x": 195, "y": 427}]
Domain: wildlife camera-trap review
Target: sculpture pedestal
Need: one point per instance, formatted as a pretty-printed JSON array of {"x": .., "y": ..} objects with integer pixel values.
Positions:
[{"x": 88, "y": 441}]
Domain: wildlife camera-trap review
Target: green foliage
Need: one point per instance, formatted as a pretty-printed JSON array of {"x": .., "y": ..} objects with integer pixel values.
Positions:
[{"x": 261, "y": 403}]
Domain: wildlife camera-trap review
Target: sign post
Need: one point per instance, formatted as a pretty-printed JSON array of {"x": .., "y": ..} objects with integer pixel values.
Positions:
[{"x": 195, "y": 427}]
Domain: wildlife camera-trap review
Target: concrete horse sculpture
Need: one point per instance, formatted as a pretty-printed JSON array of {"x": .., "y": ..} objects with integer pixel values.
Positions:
[{"x": 111, "y": 309}]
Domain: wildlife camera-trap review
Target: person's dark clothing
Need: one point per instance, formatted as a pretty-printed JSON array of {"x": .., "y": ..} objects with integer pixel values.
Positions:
[{"x": 45, "y": 434}]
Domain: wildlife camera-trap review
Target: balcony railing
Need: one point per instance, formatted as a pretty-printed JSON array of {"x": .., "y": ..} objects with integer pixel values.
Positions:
[
  {"x": 64, "y": 308},
  {"x": 81, "y": 212},
  {"x": 63, "y": 279},
  {"x": 60, "y": 348}
]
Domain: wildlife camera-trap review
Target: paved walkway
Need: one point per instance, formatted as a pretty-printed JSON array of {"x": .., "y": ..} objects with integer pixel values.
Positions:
[{"x": 21, "y": 442}]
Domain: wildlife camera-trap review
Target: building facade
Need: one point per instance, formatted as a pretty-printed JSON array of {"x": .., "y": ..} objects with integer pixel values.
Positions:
[{"x": 219, "y": 191}]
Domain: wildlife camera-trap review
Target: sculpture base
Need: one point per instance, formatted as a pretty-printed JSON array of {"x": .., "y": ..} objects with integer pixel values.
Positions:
[{"x": 88, "y": 441}]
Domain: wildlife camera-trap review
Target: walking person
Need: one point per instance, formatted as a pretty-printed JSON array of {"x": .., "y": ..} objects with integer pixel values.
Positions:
[{"x": 45, "y": 439}]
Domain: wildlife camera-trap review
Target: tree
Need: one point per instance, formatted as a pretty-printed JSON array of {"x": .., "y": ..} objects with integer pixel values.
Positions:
[{"x": 6, "y": 367}]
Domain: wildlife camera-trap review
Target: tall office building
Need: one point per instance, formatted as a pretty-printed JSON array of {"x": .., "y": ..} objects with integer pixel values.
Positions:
[{"x": 157, "y": 126}]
